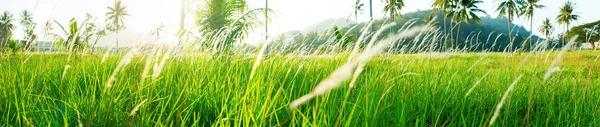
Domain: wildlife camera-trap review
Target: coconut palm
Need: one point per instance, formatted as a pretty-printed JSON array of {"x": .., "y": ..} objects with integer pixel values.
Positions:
[
  {"x": 465, "y": 11},
  {"x": 393, "y": 7},
  {"x": 444, "y": 7},
  {"x": 229, "y": 20},
  {"x": 266, "y": 20},
  {"x": 73, "y": 35},
  {"x": 566, "y": 15},
  {"x": 116, "y": 18},
  {"x": 509, "y": 9},
  {"x": 371, "y": 13},
  {"x": 6, "y": 28},
  {"x": 358, "y": 8},
  {"x": 546, "y": 28},
  {"x": 528, "y": 10},
  {"x": 28, "y": 25}
]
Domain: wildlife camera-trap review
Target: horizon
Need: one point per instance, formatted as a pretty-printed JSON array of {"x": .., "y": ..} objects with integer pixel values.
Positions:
[{"x": 145, "y": 16}]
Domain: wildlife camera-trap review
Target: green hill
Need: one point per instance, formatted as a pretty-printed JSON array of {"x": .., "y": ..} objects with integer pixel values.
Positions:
[{"x": 473, "y": 36}]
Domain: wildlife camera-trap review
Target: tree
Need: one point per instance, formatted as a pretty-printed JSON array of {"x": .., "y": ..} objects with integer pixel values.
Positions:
[
  {"x": 393, "y": 7},
  {"x": 465, "y": 11},
  {"x": 358, "y": 8},
  {"x": 6, "y": 28},
  {"x": 371, "y": 13},
  {"x": 28, "y": 25},
  {"x": 590, "y": 33},
  {"x": 566, "y": 15},
  {"x": 157, "y": 31},
  {"x": 528, "y": 10},
  {"x": 509, "y": 9},
  {"x": 229, "y": 20},
  {"x": 73, "y": 36},
  {"x": 443, "y": 6},
  {"x": 116, "y": 18},
  {"x": 546, "y": 28},
  {"x": 92, "y": 30},
  {"x": 340, "y": 38}
]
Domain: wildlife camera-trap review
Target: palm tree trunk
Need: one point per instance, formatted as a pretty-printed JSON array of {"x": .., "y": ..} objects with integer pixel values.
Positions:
[
  {"x": 458, "y": 35},
  {"x": 371, "y": 13},
  {"x": 445, "y": 31},
  {"x": 117, "y": 34},
  {"x": 182, "y": 16},
  {"x": 510, "y": 42},
  {"x": 356, "y": 25},
  {"x": 266, "y": 20},
  {"x": 531, "y": 32}
]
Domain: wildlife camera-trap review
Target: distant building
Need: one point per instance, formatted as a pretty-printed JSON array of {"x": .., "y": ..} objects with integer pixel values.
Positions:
[
  {"x": 44, "y": 46},
  {"x": 589, "y": 46}
]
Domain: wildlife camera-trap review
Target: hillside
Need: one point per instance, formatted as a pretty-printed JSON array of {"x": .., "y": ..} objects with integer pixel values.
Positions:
[{"x": 480, "y": 36}]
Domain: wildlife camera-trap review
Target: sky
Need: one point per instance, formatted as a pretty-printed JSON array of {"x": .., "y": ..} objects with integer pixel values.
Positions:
[{"x": 291, "y": 14}]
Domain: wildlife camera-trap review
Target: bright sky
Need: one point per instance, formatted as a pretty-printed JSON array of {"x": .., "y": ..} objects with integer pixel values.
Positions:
[{"x": 292, "y": 14}]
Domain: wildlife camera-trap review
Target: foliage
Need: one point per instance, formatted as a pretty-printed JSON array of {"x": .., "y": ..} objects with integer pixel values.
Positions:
[
  {"x": 393, "y": 8},
  {"x": 28, "y": 26},
  {"x": 74, "y": 35},
  {"x": 470, "y": 35},
  {"x": 395, "y": 90},
  {"x": 582, "y": 32},
  {"x": 6, "y": 28},
  {"x": 546, "y": 28},
  {"x": 224, "y": 22},
  {"x": 566, "y": 15},
  {"x": 116, "y": 18}
]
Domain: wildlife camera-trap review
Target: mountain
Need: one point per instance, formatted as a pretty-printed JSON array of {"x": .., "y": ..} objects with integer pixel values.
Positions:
[
  {"x": 328, "y": 24},
  {"x": 473, "y": 36}
]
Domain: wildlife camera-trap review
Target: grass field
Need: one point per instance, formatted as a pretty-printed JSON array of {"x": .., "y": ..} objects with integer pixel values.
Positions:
[{"x": 394, "y": 90}]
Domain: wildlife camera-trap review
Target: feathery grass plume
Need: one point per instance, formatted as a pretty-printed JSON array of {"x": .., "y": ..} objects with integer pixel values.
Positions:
[
  {"x": 359, "y": 40},
  {"x": 79, "y": 124},
  {"x": 126, "y": 60},
  {"x": 361, "y": 62},
  {"x": 105, "y": 55},
  {"x": 553, "y": 67},
  {"x": 477, "y": 83},
  {"x": 345, "y": 72},
  {"x": 65, "y": 71},
  {"x": 259, "y": 57},
  {"x": 333, "y": 81},
  {"x": 364, "y": 57},
  {"x": 501, "y": 103},
  {"x": 405, "y": 74},
  {"x": 137, "y": 108},
  {"x": 537, "y": 46},
  {"x": 146, "y": 70},
  {"x": 161, "y": 65}
]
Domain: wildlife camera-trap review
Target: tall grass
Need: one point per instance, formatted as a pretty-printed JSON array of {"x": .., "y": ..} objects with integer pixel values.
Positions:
[{"x": 196, "y": 85}]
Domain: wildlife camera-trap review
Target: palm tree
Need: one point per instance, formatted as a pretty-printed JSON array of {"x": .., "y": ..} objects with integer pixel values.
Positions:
[
  {"x": 358, "y": 8},
  {"x": 371, "y": 14},
  {"x": 528, "y": 10},
  {"x": 546, "y": 28},
  {"x": 393, "y": 7},
  {"x": 465, "y": 11},
  {"x": 6, "y": 28},
  {"x": 28, "y": 25},
  {"x": 229, "y": 19},
  {"x": 266, "y": 20},
  {"x": 509, "y": 9},
  {"x": 158, "y": 30},
  {"x": 566, "y": 15},
  {"x": 73, "y": 35},
  {"x": 116, "y": 18},
  {"x": 444, "y": 7}
]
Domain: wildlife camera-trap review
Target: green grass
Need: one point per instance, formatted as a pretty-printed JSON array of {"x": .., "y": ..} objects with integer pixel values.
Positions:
[{"x": 394, "y": 90}]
